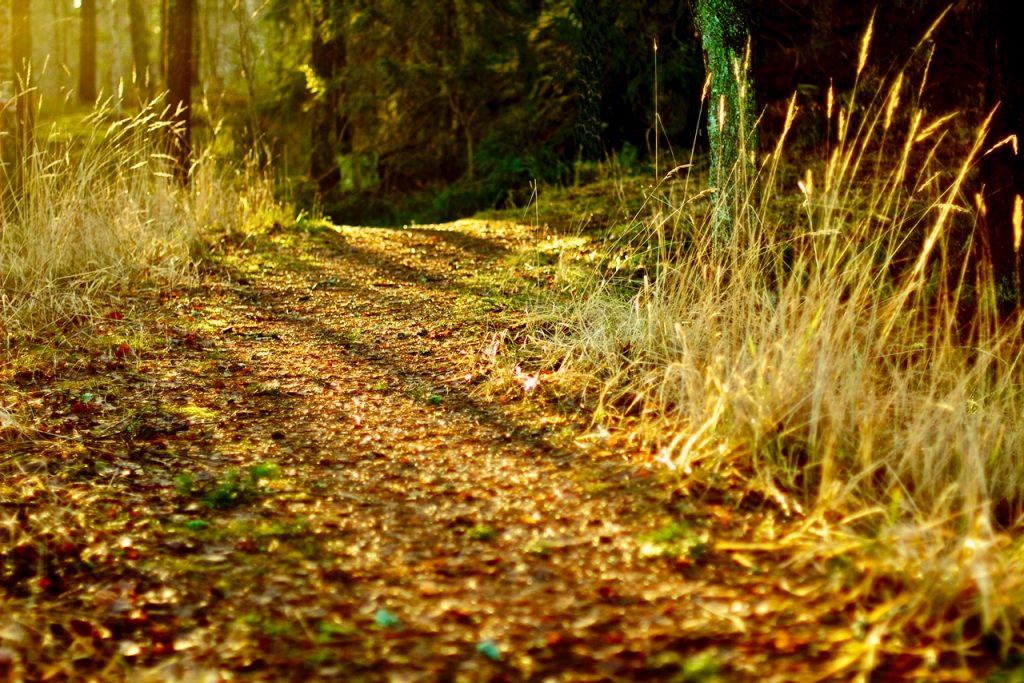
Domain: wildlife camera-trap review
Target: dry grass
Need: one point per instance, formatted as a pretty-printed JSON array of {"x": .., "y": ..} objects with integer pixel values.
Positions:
[
  {"x": 97, "y": 213},
  {"x": 841, "y": 356}
]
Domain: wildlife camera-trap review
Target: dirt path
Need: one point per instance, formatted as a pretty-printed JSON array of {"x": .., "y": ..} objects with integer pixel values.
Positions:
[{"x": 302, "y": 483}]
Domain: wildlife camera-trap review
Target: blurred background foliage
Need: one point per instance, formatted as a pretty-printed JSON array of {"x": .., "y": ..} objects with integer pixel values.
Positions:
[{"x": 385, "y": 112}]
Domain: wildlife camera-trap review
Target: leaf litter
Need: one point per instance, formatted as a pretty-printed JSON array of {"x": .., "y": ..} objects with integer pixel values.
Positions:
[{"x": 296, "y": 478}]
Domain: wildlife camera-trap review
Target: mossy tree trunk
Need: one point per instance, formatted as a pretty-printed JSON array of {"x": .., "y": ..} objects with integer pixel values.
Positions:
[{"x": 725, "y": 27}]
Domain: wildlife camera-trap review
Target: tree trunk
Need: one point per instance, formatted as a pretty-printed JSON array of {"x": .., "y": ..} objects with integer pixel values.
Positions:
[
  {"x": 140, "y": 47},
  {"x": 330, "y": 131},
  {"x": 725, "y": 28},
  {"x": 87, "y": 54},
  {"x": 21, "y": 65},
  {"x": 178, "y": 65},
  {"x": 1002, "y": 172}
]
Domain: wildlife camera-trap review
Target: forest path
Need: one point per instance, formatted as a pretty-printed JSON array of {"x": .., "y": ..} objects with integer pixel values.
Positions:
[{"x": 303, "y": 483}]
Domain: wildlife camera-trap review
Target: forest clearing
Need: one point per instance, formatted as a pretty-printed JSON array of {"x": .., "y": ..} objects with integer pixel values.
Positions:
[{"x": 529, "y": 341}]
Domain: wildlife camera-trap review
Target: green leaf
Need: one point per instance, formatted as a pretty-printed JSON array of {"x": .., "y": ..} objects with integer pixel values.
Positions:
[{"x": 263, "y": 470}]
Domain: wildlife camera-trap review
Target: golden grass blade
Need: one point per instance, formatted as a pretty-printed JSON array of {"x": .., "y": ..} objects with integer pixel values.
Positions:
[
  {"x": 1018, "y": 210},
  {"x": 865, "y": 44},
  {"x": 893, "y": 101}
]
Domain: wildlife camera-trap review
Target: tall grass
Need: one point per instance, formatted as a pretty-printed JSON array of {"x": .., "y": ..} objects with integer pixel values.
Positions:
[
  {"x": 841, "y": 355},
  {"x": 92, "y": 209}
]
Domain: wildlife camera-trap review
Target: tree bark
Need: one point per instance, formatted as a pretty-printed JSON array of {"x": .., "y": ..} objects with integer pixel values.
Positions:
[
  {"x": 1002, "y": 172},
  {"x": 87, "y": 53},
  {"x": 178, "y": 65},
  {"x": 725, "y": 28},
  {"x": 330, "y": 130},
  {"x": 140, "y": 47}
]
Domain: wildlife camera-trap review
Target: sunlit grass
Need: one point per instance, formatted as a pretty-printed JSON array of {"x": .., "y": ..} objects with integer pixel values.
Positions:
[
  {"x": 841, "y": 355},
  {"x": 94, "y": 211}
]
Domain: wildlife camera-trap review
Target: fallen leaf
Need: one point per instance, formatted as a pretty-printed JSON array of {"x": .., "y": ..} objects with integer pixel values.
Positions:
[
  {"x": 385, "y": 619},
  {"x": 488, "y": 649}
]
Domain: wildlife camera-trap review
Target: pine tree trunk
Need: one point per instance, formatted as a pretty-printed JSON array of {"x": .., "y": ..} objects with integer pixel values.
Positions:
[
  {"x": 87, "y": 53},
  {"x": 178, "y": 61},
  {"x": 725, "y": 27}
]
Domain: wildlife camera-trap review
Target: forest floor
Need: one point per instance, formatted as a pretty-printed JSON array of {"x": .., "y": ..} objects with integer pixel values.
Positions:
[{"x": 292, "y": 472}]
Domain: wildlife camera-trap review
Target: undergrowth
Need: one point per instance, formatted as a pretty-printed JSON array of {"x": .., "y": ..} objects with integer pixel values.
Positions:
[
  {"x": 84, "y": 216},
  {"x": 841, "y": 354}
]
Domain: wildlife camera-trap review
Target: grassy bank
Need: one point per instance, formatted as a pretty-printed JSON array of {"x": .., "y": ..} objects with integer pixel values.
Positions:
[{"x": 840, "y": 357}]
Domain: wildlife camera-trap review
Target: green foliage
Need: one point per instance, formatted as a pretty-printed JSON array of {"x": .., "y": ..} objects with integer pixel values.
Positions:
[
  {"x": 676, "y": 539},
  {"x": 186, "y": 484},
  {"x": 678, "y": 668},
  {"x": 231, "y": 491},
  {"x": 329, "y": 631},
  {"x": 1011, "y": 672},
  {"x": 452, "y": 107},
  {"x": 227, "y": 493},
  {"x": 628, "y": 32}
]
